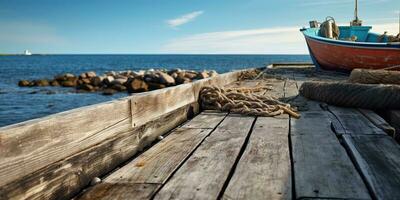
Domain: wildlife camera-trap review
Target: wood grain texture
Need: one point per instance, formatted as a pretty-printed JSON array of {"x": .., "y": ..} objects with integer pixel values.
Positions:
[
  {"x": 378, "y": 121},
  {"x": 130, "y": 191},
  {"x": 321, "y": 166},
  {"x": 205, "y": 120},
  {"x": 378, "y": 158},
  {"x": 149, "y": 105},
  {"x": 63, "y": 179},
  {"x": 160, "y": 161},
  {"x": 264, "y": 170},
  {"x": 29, "y": 146},
  {"x": 353, "y": 122},
  {"x": 203, "y": 175}
]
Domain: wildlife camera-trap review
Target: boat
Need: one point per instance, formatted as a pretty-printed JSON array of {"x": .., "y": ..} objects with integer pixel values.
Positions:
[
  {"x": 27, "y": 53},
  {"x": 344, "y": 48}
]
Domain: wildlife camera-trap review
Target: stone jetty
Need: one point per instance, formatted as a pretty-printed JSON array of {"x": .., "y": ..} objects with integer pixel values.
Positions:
[{"x": 123, "y": 81}]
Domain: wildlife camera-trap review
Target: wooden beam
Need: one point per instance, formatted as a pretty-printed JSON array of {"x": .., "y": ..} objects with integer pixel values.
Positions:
[
  {"x": 378, "y": 121},
  {"x": 264, "y": 170},
  {"x": 131, "y": 191},
  {"x": 29, "y": 147},
  {"x": 352, "y": 122},
  {"x": 322, "y": 168},
  {"x": 205, "y": 120},
  {"x": 155, "y": 165},
  {"x": 32, "y": 145},
  {"x": 158, "y": 163},
  {"x": 378, "y": 159},
  {"x": 203, "y": 175},
  {"x": 63, "y": 179}
]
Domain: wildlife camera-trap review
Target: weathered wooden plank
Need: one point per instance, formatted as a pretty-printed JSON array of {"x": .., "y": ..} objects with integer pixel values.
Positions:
[
  {"x": 378, "y": 121},
  {"x": 378, "y": 159},
  {"x": 205, "y": 120},
  {"x": 159, "y": 162},
  {"x": 393, "y": 117},
  {"x": 32, "y": 145},
  {"x": 203, "y": 175},
  {"x": 321, "y": 166},
  {"x": 65, "y": 178},
  {"x": 156, "y": 164},
  {"x": 353, "y": 122},
  {"x": 131, "y": 191},
  {"x": 264, "y": 170},
  {"x": 149, "y": 105}
]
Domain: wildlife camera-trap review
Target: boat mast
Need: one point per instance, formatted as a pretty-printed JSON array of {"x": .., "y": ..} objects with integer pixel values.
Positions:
[{"x": 356, "y": 21}]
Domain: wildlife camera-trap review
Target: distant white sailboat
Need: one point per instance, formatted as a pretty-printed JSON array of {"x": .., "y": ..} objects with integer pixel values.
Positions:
[{"x": 27, "y": 53}]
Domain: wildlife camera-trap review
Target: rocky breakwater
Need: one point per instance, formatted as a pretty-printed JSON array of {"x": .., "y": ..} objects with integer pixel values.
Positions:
[{"x": 123, "y": 81}]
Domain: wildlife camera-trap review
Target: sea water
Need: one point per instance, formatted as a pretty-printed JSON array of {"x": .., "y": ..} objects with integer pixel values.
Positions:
[{"x": 18, "y": 104}]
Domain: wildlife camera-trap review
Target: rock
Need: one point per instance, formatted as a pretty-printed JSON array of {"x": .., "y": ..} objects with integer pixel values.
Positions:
[
  {"x": 155, "y": 86},
  {"x": 111, "y": 73},
  {"x": 151, "y": 78},
  {"x": 202, "y": 75},
  {"x": 108, "y": 80},
  {"x": 182, "y": 80},
  {"x": 139, "y": 73},
  {"x": 120, "y": 76},
  {"x": 42, "y": 83},
  {"x": 174, "y": 75},
  {"x": 82, "y": 76},
  {"x": 69, "y": 75},
  {"x": 86, "y": 81},
  {"x": 166, "y": 79},
  {"x": 68, "y": 83},
  {"x": 190, "y": 75},
  {"x": 90, "y": 74},
  {"x": 120, "y": 81},
  {"x": 212, "y": 73},
  {"x": 86, "y": 87},
  {"x": 23, "y": 83},
  {"x": 109, "y": 91},
  {"x": 96, "y": 81},
  {"x": 54, "y": 83},
  {"x": 137, "y": 85},
  {"x": 60, "y": 78},
  {"x": 176, "y": 70},
  {"x": 125, "y": 73},
  {"x": 118, "y": 87}
]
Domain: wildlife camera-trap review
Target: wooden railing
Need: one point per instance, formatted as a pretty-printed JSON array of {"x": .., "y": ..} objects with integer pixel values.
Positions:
[{"x": 56, "y": 156}]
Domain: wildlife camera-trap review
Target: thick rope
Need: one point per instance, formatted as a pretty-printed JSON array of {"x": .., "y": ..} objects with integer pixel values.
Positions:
[
  {"x": 241, "y": 101},
  {"x": 369, "y": 96}
]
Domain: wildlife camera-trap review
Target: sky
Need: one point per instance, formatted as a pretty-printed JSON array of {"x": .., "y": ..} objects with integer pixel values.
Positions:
[{"x": 176, "y": 26}]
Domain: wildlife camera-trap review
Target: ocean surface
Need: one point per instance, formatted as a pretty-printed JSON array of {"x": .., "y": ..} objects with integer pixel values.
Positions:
[{"x": 18, "y": 104}]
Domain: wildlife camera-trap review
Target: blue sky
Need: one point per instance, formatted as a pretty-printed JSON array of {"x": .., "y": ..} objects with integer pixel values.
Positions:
[{"x": 175, "y": 26}]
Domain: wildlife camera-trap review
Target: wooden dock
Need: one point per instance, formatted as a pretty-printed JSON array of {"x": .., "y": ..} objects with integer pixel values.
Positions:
[{"x": 329, "y": 153}]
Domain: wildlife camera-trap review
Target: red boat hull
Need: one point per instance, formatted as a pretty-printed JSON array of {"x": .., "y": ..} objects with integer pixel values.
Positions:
[{"x": 343, "y": 57}]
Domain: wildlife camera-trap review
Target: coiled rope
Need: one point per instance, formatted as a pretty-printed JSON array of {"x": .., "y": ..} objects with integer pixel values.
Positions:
[{"x": 243, "y": 101}]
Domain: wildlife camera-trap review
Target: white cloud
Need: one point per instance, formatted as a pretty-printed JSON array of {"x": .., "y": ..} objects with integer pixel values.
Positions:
[
  {"x": 184, "y": 19},
  {"x": 278, "y": 40},
  {"x": 264, "y": 40},
  {"x": 391, "y": 28}
]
